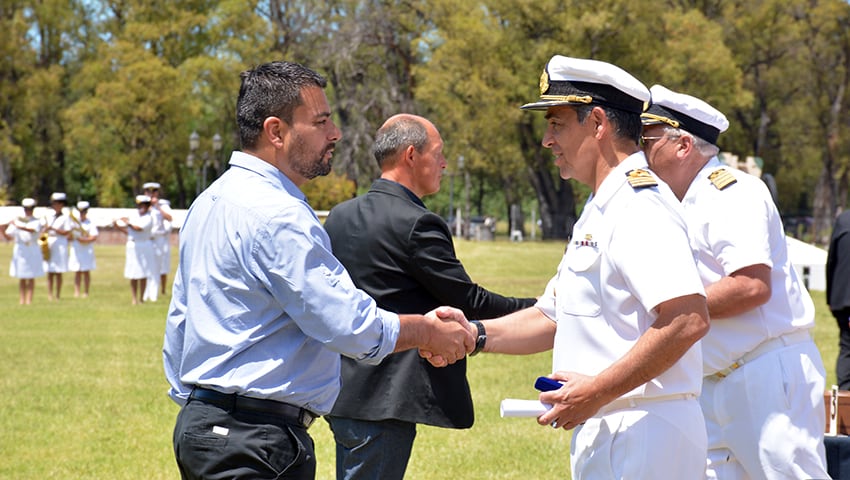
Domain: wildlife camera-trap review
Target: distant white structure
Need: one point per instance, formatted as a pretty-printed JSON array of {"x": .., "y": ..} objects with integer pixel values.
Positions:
[
  {"x": 810, "y": 263},
  {"x": 751, "y": 165}
]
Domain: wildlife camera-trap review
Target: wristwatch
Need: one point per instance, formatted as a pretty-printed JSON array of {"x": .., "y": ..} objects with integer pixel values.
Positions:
[{"x": 482, "y": 337}]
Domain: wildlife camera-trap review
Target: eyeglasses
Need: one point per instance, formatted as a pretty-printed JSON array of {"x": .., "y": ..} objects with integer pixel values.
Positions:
[
  {"x": 644, "y": 139},
  {"x": 668, "y": 136}
]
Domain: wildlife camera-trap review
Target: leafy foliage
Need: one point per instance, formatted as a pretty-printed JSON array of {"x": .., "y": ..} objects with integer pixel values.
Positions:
[
  {"x": 325, "y": 192},
  {"x": 99, "y": 96}
]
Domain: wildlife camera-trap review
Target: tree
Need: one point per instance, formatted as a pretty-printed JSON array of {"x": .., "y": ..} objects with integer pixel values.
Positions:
[
  {"x": 825, "y": 53},
  {"x": 146, "y": 118},
  {"x": 103, "y": 94},
  {"x": 16, "y": 60},
  {"x": 794, "y": 59},
  {"x": 44, "y": 39}
]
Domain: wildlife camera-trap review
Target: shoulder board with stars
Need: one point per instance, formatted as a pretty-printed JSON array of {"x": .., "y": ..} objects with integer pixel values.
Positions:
[
  {"x": 722, "y": 178},
  {"x": 640, "y": 178}
]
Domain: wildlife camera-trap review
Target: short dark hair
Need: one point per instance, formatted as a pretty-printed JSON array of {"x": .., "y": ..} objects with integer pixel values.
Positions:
[
  {"x": 271, "y": 90},
  {"x": 397, "y": 135},
  {"x": 626, "y": 124}
]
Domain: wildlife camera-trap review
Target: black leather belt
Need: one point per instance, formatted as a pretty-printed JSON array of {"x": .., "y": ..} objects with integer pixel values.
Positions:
[{"x": 233, "y": 402}]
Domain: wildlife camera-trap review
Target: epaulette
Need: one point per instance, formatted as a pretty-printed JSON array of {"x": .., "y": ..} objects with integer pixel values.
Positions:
[
  {"x": 640, "y": 178},
  {"x": 722, "y": 178}
]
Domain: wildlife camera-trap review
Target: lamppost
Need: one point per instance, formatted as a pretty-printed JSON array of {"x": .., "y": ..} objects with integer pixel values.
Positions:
[
  {"x": 451, "y": 175},
  {"x": 194, "y": 144},
  {"x": 466, "y": 221},
  {"x": 216, "y": 146},
  {"x": 457, "y": 217}
]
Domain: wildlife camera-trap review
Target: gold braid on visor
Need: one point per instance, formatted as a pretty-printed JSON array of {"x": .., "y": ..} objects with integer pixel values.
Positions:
[
  {"x": 568, "y": 98},
  {"x": 659, "y": 118}
]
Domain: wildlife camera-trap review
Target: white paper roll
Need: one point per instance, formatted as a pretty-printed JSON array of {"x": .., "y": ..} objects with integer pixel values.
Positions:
[{"x": 512, "y": 407}]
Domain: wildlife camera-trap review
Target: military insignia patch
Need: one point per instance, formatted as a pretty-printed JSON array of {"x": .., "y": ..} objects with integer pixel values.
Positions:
[
  {"x": 587, "y": 242},
  {"x": 722, "y": 178},
  {"x": 544, "y": 82},
  {"x": 640, "y": 178}
]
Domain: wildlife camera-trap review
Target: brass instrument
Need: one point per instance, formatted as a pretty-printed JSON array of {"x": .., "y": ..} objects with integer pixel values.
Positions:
[
  {"x": 45, "y": 247},
  {"x": 78, "y": 227}
]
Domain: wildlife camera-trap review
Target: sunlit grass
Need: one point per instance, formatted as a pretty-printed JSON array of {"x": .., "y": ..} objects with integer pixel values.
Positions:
[{"x": 84, "y": 393}]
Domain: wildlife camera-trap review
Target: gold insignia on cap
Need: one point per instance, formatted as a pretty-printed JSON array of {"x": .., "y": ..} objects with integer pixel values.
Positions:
[
  {"x": 722, "y": 178},
  {"x": 640, "y": 178},
  {"x": 544, "y": 82},
  {"x": 651, "y": 117},
  {"x": 585, "y": 99}
]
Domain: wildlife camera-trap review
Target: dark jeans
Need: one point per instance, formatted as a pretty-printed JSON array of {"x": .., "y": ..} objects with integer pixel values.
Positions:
[
  {"x": 367, "y": 450},
  {"x": 212, "y": 443},
  {"x": 842, "y": 364}
]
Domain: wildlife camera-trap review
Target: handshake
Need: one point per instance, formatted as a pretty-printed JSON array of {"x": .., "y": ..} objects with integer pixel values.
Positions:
[{"x": 442, "y": 335}]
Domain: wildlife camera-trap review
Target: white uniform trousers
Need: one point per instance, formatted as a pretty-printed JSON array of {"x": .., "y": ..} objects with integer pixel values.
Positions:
[
  {"x": 659, "y": 440},
  {"x": 766, "y": 419}
]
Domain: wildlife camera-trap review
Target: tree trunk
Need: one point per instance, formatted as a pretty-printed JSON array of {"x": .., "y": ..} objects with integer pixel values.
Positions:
[{"x": 554, "y": 195}]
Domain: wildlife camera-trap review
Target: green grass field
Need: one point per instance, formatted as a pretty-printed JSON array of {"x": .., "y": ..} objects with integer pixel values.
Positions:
[{"x": 83, "y": 393}]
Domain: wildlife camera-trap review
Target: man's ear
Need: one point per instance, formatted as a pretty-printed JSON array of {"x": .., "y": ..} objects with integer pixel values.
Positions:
[
  {"x": 275, "y": 130},
  {"x": 685, "y": 144},
  {"x": 409, "y": 154},
  {"x": 598, "y": 120}
]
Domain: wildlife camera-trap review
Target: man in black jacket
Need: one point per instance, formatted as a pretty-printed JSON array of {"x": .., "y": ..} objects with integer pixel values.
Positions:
[
  {"x": 402, "y": 255},
  {"x": 838, "y": 293}
]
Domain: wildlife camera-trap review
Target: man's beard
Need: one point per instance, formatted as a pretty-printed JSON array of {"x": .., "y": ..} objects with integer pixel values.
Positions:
[{"x": 308, "y": 166}]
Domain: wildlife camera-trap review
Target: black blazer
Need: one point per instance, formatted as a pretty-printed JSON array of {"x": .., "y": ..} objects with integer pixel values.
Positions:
[
  {"x": 838, "y": 265},
  {"x": 403, "y": 256}
]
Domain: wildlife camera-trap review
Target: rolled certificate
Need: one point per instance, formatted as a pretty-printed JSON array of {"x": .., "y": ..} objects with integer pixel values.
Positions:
[{"x": 512, "y": 407}]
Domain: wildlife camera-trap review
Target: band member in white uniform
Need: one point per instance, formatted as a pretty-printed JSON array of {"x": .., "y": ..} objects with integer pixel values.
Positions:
[
  {"x": 27, "y": 261},
  {"x": 626, "y": 308},
  {"x": 58, "y": 227},
  {"x": 762, "y": 394},
  {"x": 81, "y": 260},
  {"x": 161, "y": 232},
  {"x": 139, "y": 262}
]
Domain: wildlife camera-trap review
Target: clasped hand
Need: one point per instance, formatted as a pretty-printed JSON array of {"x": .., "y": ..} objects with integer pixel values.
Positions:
[
  {"x": 573, "y": 403},
  {"x": 451, "y": 337}
]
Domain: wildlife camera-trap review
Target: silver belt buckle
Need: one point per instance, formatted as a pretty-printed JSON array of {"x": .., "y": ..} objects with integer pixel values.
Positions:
[{"x": 306, "y": 418}]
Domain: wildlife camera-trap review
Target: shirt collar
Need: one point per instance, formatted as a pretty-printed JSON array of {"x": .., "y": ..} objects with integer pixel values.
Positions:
[
  {"x": 265, "y": 169},
  {"x": 701, "y": 176},
  {"x": 617, "y": 178},
  {"x": 383, "y": 182}
]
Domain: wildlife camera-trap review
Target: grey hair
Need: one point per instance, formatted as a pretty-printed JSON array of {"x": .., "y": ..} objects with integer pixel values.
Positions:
[
  {"x": 705, "y": 148},
  {"x": 396, "y": 136}
]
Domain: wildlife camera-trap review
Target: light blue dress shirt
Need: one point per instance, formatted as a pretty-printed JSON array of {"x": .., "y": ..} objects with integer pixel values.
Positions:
[{"x": 260, "y": 306}]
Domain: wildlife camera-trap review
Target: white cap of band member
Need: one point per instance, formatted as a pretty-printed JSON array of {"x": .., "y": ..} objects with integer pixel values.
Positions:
[
  {"x": 579, "y": 81},
  {"x": 682, "y": 111},
  {"x": 150, "y": 186},
  {"x": 28, "y": 203},
  {"x": 58, "y": 197},
  {"x": 82, "y": 205},
  {"x": 142, "y": 199}
]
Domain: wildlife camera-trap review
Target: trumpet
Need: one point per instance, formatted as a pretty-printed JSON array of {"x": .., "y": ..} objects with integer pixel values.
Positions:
[{"x": 45, "y": 247}]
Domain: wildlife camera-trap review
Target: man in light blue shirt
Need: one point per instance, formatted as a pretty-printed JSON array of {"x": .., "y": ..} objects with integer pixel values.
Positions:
[{"x": 261, "y": 309}]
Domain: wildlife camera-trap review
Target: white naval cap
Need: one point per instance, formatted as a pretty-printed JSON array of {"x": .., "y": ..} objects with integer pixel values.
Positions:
[
  {"x": 142, "y": 199},
  {"x": 685, "y": 112},
  {"x": 28, "y": 203},
  {"x": 580, "y": 81},
  {"x": 82, "y": 205},
  {"x": 150, "y": 186},
  {"x": 58, "y": 197}
]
